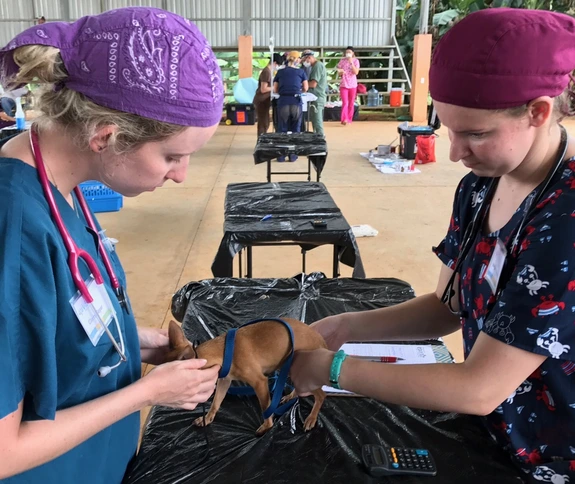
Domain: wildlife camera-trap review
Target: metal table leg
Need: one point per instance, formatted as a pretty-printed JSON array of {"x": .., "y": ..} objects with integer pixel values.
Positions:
[{"x": 249, "y": 262}]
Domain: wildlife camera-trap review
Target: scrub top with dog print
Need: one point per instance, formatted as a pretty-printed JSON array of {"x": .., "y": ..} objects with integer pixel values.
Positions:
[{"x": 535, "y": 311}]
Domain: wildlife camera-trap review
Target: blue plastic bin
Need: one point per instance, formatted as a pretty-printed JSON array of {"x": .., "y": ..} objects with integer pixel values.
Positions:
[{"x": 100, "y": 198}]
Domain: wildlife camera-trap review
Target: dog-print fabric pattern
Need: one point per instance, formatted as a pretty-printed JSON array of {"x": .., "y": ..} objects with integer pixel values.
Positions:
[{"x": 533, "y": 309}]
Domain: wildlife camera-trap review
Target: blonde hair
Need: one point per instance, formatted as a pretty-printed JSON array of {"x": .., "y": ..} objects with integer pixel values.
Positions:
[
  {"x": 292, "y": 56},
  {"x": 74, "y": 112}
]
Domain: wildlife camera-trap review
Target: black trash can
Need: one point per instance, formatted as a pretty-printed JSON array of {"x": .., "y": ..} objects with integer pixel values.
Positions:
[{"x": 408, "y": 137}]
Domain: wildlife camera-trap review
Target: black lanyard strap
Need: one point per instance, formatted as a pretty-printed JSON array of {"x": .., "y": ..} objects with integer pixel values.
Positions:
[{"x": 478, "y": 220}]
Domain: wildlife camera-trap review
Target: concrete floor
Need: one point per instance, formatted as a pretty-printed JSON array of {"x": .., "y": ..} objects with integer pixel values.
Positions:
[{"x": 170, "y": 237}]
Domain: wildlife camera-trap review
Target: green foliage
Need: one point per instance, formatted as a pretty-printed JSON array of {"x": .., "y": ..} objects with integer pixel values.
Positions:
[
  {"x": 229, "y": 65},
  {"x": 445, "y": 13}
]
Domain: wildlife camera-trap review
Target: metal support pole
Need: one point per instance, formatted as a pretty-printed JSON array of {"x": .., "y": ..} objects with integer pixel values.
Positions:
[
  {"x": 65, "y": 10},
  {"x": 320, "y": 23},
  {"x": 390, "y": 69},
  {"x": 246, "y": 17},
  {"x": 424, "y": 17}
]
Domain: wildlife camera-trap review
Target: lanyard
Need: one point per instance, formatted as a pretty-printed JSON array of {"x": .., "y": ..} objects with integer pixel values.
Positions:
[
  {"x": 75, "y": 252},
  {"x": 478, "y": 220}
]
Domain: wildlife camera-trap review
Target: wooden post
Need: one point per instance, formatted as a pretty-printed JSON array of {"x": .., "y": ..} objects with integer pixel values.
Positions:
[
  {"x": 420, "y": 78},
  {"x": 245, "y": 56}
]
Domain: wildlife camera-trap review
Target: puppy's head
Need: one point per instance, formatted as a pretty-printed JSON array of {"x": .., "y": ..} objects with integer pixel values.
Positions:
[{"x": 180, "y": 347}]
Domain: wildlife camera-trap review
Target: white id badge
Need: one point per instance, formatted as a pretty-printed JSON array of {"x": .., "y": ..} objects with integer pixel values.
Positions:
[
  {"x": 496, "y": 264},
  {"x": 88, "y": 312}
]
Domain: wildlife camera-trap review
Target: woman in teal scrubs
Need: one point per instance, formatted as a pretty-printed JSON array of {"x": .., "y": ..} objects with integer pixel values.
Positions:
[{"x": 132, "y": 93}]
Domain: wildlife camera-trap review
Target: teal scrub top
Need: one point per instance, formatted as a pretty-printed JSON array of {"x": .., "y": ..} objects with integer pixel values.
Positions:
[{"x": 46, "y": 357}]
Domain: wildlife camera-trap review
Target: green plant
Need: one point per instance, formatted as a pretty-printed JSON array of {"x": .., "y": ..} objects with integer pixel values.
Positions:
[
  {"x": 407, "y": 27},
  {"x": 445, "y": 13},
  {"x": 454, "y": 10}
]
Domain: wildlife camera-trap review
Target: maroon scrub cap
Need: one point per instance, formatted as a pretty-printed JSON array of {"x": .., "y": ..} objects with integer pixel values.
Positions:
[
  {"x": 143, "y": 61},
  {"x": 501, "y": 58}
]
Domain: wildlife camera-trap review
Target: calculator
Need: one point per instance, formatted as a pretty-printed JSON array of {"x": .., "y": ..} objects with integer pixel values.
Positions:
[{"x": 394, "y": 461}]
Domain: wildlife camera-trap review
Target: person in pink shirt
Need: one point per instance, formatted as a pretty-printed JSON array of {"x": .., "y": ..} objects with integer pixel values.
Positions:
[{"x": 348, "y": 69}]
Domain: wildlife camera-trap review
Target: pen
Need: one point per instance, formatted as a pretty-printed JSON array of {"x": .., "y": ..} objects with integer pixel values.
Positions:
[
  {"x": 267, "y": 217},
  {"x": 380, "y": 359}
]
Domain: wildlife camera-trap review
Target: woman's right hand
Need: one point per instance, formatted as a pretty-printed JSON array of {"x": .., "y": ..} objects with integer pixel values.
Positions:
[
  {"x": 181, "y": 384},
  {"x": 340, "y": 71},
  {"x": 334, "y": 330}
]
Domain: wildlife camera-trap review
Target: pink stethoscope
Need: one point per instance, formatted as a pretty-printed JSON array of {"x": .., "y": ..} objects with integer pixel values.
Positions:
[{"x": 75, "y": 253}]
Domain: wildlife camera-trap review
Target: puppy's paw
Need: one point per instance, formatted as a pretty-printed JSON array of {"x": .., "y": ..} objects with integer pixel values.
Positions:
[
  {"x": 287, "y": 398},
  {"x": 199, "y": 422},
  {"x": 309, "y": 423}
]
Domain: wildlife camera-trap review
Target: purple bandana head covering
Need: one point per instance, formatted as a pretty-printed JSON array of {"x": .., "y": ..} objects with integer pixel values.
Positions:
[
  {"x": 143, "y": 61},
  {"x": 502, "y": 58}
]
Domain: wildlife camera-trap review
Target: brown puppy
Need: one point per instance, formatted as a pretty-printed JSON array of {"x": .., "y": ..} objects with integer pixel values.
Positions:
[{"x": 260, "y": 349}]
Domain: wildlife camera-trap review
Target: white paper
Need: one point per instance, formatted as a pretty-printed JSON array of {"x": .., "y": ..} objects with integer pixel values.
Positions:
[
  {"x": 411, "y": 354},
  {"x": 363, "y": 231},
  {"x": 388, "y": 170},
  {"x": 385, "y": 164}
]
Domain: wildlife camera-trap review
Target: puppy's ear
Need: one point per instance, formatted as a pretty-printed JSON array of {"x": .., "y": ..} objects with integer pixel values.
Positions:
[
  {"x": 177, "y": 337},
  {"x": 180, "y": 348}
]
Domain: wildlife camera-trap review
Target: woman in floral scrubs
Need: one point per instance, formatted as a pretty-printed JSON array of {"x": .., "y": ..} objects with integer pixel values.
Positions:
[{"x": 501, "y": 83}]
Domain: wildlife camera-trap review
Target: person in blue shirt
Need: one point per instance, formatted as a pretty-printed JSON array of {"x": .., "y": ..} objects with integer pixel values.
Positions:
[
  {"x": 501, "y": 81},
  {"x": 113, "y": 114},
  {"x": 290, "y": 83}
]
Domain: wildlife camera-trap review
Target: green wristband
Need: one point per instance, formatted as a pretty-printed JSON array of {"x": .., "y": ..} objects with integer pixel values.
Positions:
[{"x": 335, "y": 369}]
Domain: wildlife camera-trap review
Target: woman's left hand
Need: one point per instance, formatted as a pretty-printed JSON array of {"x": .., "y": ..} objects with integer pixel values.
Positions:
[
  {"x": 310, "y": 370},
  {"x": 154, "y": 345}
]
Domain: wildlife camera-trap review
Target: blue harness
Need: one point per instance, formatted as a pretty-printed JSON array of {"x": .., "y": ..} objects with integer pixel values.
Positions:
[{"x": 277, "y": 383}]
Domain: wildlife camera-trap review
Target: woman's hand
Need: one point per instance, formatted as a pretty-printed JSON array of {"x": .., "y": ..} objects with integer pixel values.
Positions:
[
  {"x": 181, "y": 384},
  {"x": 334, "y": 330},
  {"x": 310, "y": 370},
  {"x": 340, "y": 72},
  {"x": 154, "y": 345}
]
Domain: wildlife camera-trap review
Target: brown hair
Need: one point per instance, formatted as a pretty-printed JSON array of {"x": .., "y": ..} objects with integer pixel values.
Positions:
[
  {"x": 563, "y": 106},
  {"x": 74, "y": 112}
]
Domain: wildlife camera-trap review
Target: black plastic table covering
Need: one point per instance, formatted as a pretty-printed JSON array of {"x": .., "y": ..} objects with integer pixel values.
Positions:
[
  {"x": 292, "y": 207},
  {"x": 172, "y": 449},
  {"x": 273, "y": 145},
  {"x": 7, "y": 130}
]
